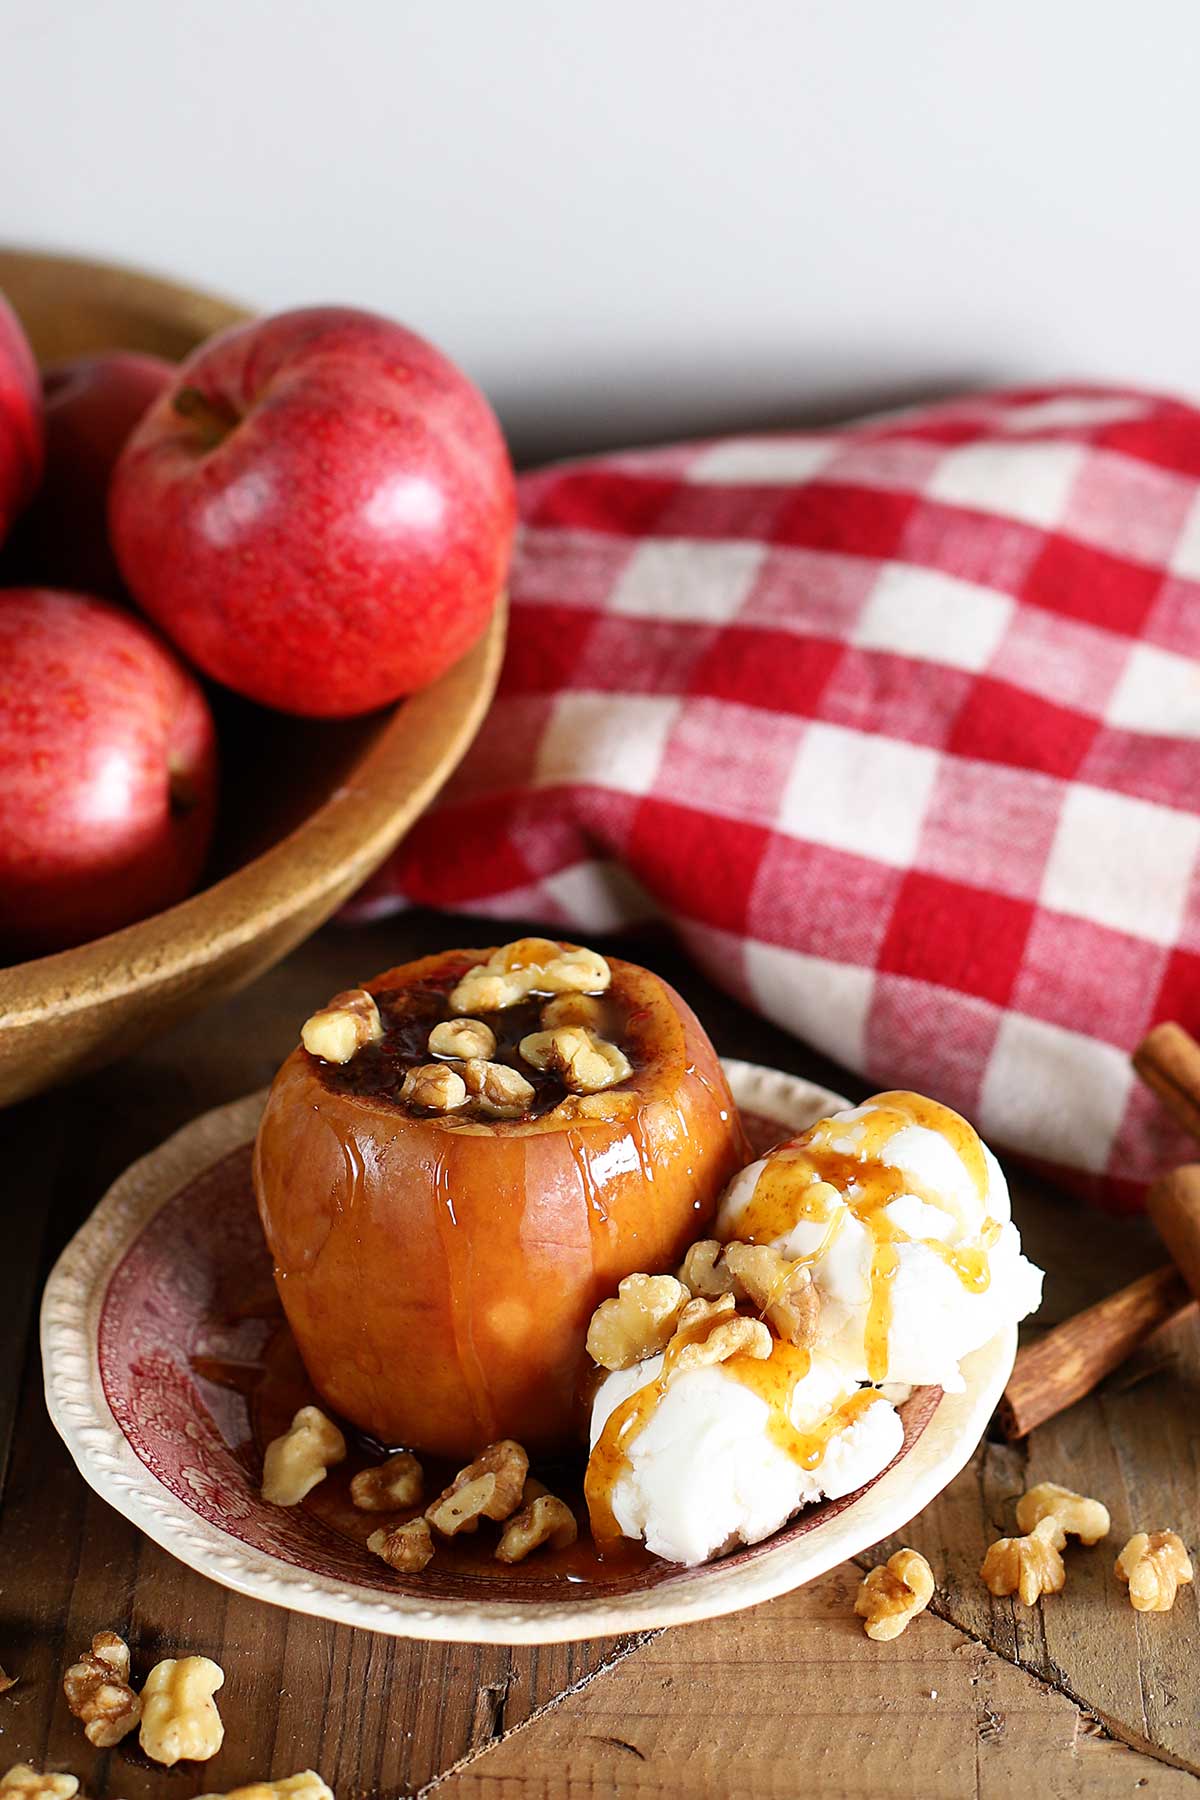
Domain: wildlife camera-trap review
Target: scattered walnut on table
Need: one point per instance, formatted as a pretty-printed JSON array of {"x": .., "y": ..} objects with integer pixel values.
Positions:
[
  {"x": 390, "y": 1485},
  {"x": 1156, "y": 1565},
  {"x": 406, "y": 1548},
  {"x": 783, "y": 1291},
  {"x": 543, "y": 1519},
  {"x": 435, "y": 1086},
  {"x": 180, "y": 1721},
  {"x": 7, "y": 1681},
  {"x": 305, "y": 1786},
  {"x": 891, "y": 1596},
  {"x": 499, "y": 1090},
  {"x": 462, "y": 1038},
  {"x": 30, "y": 1784},
  {"x": 585, "y": 1063},
  {"x": 341, "y": 1029},
  {"x": 529, "y": 966},
  {"x": 297, "y": 1461},
  {"x": 1029, "y": 1566},
  {"x": 98, "y": 1691},
  {"x": 637, "y": 1322},
  {"x": 1079, "y": 1517},
  {"x": 491, "y": 1487}
]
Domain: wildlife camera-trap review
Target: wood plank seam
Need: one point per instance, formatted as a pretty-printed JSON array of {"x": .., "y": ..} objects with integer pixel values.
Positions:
[
  {"x": 1109, "y": 1727},
  {"x": 623, "y": 1651}
]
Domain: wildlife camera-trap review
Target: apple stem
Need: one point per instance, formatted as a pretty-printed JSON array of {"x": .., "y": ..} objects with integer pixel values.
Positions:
[{"x": 215, "y": 418}]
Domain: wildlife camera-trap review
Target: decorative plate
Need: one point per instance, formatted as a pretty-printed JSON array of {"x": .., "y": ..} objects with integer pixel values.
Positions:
[{"x": 168, "y": 1367}]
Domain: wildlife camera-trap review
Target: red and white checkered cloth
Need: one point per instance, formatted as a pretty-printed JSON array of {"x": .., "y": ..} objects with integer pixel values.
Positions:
[{"x": 899, "y": 725}]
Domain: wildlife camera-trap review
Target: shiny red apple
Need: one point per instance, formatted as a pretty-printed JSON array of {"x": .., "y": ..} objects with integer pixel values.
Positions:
[
  {"x": 319, "y": 511},
  {"x": 91, "y": 405},
  {"x": 20, "y": 418},
  {"x": 107, "y": 771}
]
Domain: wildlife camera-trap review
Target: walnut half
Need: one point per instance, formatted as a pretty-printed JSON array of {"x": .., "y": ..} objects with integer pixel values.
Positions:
[
  {"x": 711, "y": 1331},
  {"x": 390, "y": 1486},
  {"x": 435, "y": 1086},
  {"x": 180, "y": 1721},
  {"x": 305, "y": 1786},
  {"x": 529, "y": 966},
  {"x": 340, "y": 1029},
  {"x": 491, "y": 1487},
  {"x": 27, "y": 1783},
  {"x": 98, "y": 1691},
  {"x": 585, "y": 1063},
  {"x": 782, "y": 1291},
  {"x": 637, "y": 1322},
  {"x": 543, "y": 1519},
  {"x": 500, "y": 1091},
  {"x": 1079, "y": 1517},
  {"x": 893, "y": 1594},
  {"x": 407, "y": 1548},
  {"x": 297, "y": 1461},
  {"x": 1156, "y": 1565},
  {"x": 1029, "y": 1566}
]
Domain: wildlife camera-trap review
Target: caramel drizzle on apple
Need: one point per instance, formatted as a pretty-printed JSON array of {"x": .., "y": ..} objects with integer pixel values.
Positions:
[{"x": 795, "y": 1182}]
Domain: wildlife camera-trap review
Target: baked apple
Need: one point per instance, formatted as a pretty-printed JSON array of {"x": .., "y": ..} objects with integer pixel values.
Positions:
[{"x": 461, "y": 1160}]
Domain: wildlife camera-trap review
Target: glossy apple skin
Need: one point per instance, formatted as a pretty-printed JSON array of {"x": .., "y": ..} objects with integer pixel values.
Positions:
[
  {"x": 439, "y": 1281},
  {"x": 91, "y": 404},
  {"x": 319, "y": 511},
  {"x": 21, "y": 448},
  {"x": 107, "y": 771}
]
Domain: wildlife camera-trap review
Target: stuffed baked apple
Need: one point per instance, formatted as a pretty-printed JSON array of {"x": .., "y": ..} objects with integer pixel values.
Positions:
[{"x": 461, "y": 1160}]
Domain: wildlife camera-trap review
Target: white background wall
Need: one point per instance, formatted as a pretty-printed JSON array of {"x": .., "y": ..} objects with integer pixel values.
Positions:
[{"x": 638, "y": 217}]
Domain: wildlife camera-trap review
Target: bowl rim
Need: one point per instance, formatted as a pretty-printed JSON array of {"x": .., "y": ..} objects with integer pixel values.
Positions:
[
  {"x": 78, "y": 1406},
  {"x": 264, "y": 892},
  {"x": 337, "y": 846}
]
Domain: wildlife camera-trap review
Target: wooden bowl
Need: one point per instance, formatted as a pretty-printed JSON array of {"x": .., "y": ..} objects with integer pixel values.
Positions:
[{"x": 309, "y": 808}]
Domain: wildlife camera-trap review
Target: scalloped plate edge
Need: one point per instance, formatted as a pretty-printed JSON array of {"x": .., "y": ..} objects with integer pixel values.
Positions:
[{"x": 80, "y": 1413}]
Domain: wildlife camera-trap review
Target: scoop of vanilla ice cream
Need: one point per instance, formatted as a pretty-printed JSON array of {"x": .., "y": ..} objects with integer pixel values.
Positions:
[
  {"x": 705, "y": 1473},
  {"x": 935, "y": 1318}
]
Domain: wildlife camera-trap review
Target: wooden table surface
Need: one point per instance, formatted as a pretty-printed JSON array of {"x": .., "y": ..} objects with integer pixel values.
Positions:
[{"x": 980, "y": 1697}]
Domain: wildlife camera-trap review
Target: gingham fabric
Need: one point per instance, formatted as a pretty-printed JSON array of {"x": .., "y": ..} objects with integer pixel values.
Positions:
[{"x": 897, "y": 724}]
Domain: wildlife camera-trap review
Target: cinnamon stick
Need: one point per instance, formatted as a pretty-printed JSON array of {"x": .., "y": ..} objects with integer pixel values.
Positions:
[
  {"x": 1075, "y": 1357},
  {"x": 1174, "y": 1204},
  {"x": 1168, "y": 1061}
]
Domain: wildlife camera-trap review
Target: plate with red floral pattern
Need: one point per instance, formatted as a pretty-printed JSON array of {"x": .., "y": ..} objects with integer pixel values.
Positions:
[{"x": 168, "y": 1368}]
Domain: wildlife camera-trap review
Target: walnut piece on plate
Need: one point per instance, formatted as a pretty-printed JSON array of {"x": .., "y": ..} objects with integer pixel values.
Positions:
[
  {"x": 389, "y": 1486},
  {"x": 543, "y": 1519},
  {"x": 406, "y": 1548},
  {"x": 303, "y": 1456},
  {"x": 491, "y": 1487}
]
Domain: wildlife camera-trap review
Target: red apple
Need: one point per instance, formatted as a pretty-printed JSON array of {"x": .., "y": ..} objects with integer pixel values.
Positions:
[
  {"x": 107, "y": 771},
  {"x": 91, "y": 405},
  {"x": 20, "y": 418},
  {"x": 319, "y": 511}
]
